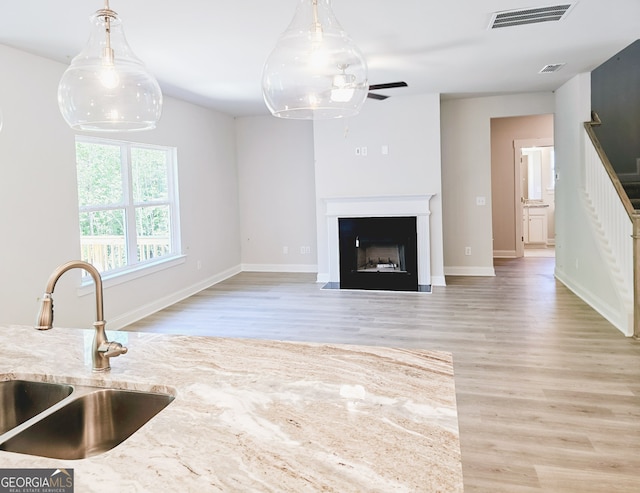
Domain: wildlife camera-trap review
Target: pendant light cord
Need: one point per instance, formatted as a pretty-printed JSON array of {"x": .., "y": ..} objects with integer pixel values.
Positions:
[
  {"x": 108, "y": 14},
  {"x": 107, "y": 28},
  {"x": 316, "y": 22}
]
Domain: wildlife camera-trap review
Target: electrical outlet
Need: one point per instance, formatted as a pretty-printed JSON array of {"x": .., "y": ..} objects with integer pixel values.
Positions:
[
  {"x": 467, "y": 250},
  {"x": 199, "y": 264},
  {"x": 285, "y": 250},
  {"x": 307, "y": 250}
]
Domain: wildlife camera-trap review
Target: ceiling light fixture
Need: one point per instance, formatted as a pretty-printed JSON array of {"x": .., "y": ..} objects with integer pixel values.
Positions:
[
  {"x": 106, "y": 87},
  {"x": 315, "y": 70}
]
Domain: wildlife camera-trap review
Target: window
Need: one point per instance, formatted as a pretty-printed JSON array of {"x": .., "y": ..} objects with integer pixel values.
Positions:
[{"x": 128, "y": 203}]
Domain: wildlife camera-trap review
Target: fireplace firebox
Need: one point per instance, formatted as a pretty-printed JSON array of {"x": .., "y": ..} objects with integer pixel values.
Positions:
[{"x": 378, "y": 253}]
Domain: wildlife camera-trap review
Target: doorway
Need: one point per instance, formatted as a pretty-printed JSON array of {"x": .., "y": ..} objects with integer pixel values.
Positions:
[
  {"x": 507, "y": 199},
  {"x": 534, "y": 186}
]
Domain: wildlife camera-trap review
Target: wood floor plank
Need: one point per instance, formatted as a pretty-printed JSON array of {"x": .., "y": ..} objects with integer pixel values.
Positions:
[{"x": 548, "y": 392}]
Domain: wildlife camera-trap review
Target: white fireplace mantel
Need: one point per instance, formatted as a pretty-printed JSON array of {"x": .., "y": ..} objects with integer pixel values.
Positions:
[{"x": 394, "y": 206}]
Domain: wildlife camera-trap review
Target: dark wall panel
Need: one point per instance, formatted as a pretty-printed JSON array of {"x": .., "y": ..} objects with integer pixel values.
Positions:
[{"x": 615, "y": 96}]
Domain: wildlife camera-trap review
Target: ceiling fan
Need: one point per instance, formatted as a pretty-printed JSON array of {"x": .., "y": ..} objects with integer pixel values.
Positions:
[{"x": 388, "y": 85}]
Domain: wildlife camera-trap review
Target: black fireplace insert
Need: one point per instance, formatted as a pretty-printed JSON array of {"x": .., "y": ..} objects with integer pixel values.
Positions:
[{"x": 378, "y": 253}]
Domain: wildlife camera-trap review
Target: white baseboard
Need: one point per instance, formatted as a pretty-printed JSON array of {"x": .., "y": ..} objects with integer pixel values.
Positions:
[
  {"x": 470, "y": 271},
  {"x": 504, "y": 254},
  {"x": 143, "y": 311},
  {"x": 621, "y": 321},
  {"x": 308, "y": 268}
]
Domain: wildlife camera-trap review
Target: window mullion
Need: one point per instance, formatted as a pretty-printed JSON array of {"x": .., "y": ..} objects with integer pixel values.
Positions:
[
  {"x": 172, "y": 178},
  {"x": 130, "y": 212},
  {"x": 95, "y": 208}
]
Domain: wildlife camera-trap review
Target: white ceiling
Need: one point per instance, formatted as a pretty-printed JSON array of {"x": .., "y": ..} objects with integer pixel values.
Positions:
[{"x": 211, "y": 52}]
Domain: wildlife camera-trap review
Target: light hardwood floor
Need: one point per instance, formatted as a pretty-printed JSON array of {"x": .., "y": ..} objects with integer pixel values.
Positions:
[{"x": 548, "y": 392}]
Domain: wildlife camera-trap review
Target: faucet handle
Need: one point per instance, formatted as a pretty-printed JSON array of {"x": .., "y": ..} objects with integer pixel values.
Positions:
[{"x": 111, "y": 349}]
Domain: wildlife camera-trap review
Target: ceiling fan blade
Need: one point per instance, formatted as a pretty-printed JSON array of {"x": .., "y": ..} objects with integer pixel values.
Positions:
[
  {"x": 388, "y": 85},
  {"x": 379, "y": 97}
]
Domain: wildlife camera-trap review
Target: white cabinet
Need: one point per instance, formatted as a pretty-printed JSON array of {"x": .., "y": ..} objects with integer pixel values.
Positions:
[{"x": 534, "y": 225}]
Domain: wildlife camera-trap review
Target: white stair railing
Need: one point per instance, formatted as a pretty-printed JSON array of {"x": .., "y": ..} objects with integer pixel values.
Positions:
[{"x": 607, "y": 199}]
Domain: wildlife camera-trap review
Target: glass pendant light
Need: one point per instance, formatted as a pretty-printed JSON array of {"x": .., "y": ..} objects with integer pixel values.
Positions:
[
  {"x": 106, "y": 87},
  {"x": 315, "y": 71}
]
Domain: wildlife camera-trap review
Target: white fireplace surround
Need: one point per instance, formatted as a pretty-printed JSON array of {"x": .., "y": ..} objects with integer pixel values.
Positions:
[{"x": 396, "y": 206}]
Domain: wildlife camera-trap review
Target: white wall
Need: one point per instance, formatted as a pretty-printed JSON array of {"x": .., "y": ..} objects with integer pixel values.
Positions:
[
  {"x": 38, "y": 201},
  {"x": 410, "y": 127},
  {"x": 579, "y": 264},
  {"x": 466, "y": 175},
  {"x": 38, "y": 198},
  {"x": 277, "y": 194}
]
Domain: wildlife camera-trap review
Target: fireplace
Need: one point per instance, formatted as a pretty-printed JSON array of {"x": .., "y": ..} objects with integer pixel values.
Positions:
[
  {"x": 416, "y": 207},
  {"x": 378, "y": 253}
]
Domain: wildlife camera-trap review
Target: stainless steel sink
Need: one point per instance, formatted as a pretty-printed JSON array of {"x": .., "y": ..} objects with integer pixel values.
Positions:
[
  {"x": 21, "y": 400},
  {"x": 93, "y": 421}
]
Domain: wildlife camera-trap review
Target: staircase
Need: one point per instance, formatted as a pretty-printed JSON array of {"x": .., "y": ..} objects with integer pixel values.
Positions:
[
  {"x": 633, "y": 192},
  {"x": 615, "y": 212}
]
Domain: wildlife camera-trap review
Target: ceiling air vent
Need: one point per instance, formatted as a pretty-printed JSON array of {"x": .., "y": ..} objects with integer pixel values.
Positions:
[
  {"x": 553, "y": 67},
  {"x": 520, "y": 17}
]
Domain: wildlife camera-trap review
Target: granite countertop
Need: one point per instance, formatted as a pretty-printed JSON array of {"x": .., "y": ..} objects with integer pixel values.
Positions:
[{"x": 258, "y": 416}]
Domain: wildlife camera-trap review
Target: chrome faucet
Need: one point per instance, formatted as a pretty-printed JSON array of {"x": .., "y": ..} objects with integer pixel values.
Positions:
[{"x": 102, "y": 348}]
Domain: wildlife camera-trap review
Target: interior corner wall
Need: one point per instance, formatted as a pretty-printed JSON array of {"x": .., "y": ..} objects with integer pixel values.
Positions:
[
  {"x": 391, "y": 148},
  {"x": 466, "y": 175},
  {"x": 503, "y": 187},
  {"x": 579, "y": 262},
  {"x": 276, "y": 194},
  {"x": 38, "y": 199}
]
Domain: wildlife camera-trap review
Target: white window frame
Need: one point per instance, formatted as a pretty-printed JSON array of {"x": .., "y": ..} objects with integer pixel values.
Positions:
[{"x": 135, "y": 268}]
